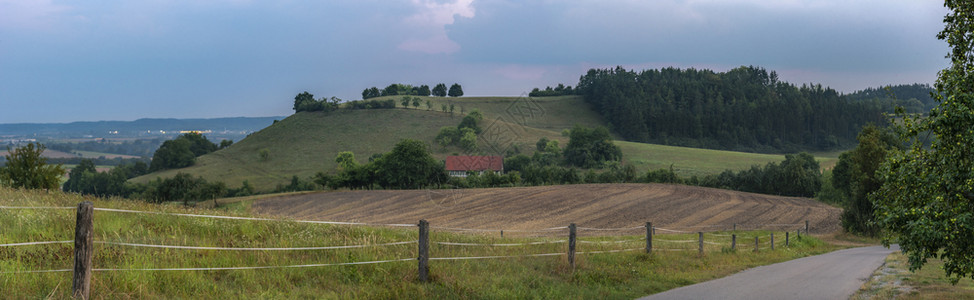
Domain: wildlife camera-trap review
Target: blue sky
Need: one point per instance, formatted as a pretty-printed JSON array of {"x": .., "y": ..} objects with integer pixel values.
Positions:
[{"x": 63, "y": 61}]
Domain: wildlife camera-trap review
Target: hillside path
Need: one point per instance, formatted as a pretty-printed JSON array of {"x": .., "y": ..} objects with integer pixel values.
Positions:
[{"x": 835, "y": 275}]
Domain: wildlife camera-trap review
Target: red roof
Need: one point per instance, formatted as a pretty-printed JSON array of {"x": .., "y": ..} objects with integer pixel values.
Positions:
[{"x": 475, "y": 163}]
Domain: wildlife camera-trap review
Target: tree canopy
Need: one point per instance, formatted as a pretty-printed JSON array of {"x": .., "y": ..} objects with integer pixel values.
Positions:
[
  {"x": 455, "y": 90},
  {"x": 855, "y": 175},
  {"x": 926, "y": 202},
  {"x": 590, "y": 148},
  {"x": 181, "y": 152},
  {"x": 439, "y": 90},
  {"x": 26, "y": 168}
]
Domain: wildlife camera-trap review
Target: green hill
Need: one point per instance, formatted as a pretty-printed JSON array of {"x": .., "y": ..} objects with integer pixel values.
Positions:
[{"x": 307, "y": 142}]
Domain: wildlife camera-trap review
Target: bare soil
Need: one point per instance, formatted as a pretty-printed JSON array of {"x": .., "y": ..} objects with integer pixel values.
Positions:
[{"x": 588, "y": 205}]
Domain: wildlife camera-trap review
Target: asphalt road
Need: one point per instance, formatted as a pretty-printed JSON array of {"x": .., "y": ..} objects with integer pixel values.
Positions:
[{"x": 835, "y": 275}]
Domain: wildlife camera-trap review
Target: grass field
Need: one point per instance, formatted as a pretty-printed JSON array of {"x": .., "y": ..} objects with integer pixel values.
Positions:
[
  {"x": 621, "y": 275},
  {"x": 693, "y": 161}
]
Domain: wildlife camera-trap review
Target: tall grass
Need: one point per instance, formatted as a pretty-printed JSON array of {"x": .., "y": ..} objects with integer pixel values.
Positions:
[{"x": 605, "y": 275}]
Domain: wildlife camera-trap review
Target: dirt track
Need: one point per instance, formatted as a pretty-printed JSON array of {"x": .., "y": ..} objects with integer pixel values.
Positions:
[{"x": 587, "y": 205}]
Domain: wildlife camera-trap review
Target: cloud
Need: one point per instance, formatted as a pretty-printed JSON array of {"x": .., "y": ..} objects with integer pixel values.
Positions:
[
  {"x": 430, "y": 22},
  {"x": 34, "y": 14}
]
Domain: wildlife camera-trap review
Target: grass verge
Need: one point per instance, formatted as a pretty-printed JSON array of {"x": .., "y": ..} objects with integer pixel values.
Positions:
[{"x": 895, "y": 281}]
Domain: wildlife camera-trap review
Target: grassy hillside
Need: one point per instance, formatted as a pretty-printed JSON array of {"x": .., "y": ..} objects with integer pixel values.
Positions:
[
  {"x": 306, "y": 143},
  {"x": 144, "y": 272},
  {"x": 547, "y": 113}
]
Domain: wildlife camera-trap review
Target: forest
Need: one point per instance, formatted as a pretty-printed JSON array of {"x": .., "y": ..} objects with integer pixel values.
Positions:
[{"x": 743, "y": 109}]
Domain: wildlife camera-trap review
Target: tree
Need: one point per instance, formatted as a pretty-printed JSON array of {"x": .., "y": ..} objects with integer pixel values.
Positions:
[
  {"x": 346, "y": 160},
  {"x": 855, "y": 175},
  {"x": 452, "y": 107},
  {"x": 591, "y": 148},
  {"x": 391, "y": 90},
  {"x": 416, "y": 102},
  {"x": 26, "y": 168},
  {"x": 926, "y": 200},
  {"x": 439, "y": 90},
  {"x": 447, "y": 136},
  {"x": 469, "y": 122},
  {"x": 468, "y": 139},
  {"x": 409, "y": 166},
  {"x": 429, "y": 105},
  {"x": 443, "y": 107},
  {"x": 225, "y": 143},
  {"x": 78, "y": 176},
  {"x": 424, "y": 90},
  {"x": 405, "y": 101},
  {"x": 181, "y": 152},
  {"x": 173, "y": 154},
  {"x": 303, "y": 100},
  {"x": 455, "y": 90}
]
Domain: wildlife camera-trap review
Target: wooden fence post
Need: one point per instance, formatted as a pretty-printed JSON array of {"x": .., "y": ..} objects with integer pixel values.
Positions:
[
  {"x": 806, "y": 226},
  {"x": 799, "y": 232},
  {"x": 83, "y": 251},
  {"x": 502, "y": 234},
  {"x": 424, "y": 250},
  {"x": 649, "y": 237},
  {"x": 571, "y": 245},
  {"x": 735, "y": 226},
  {"x": 772, "y": 241},
  {"x": 755, "y": 244},
  {"x": 700, "y": 233},
  {"x": 786, "y": 239},
  {"x": 733, "y": 241}
]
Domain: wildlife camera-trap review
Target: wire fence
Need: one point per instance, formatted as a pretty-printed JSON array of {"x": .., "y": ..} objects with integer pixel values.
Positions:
[{"x": 723, "y": 240}]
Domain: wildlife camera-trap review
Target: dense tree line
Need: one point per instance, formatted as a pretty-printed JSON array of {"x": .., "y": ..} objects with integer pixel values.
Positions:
[
  {"x": 399, "y": 89},
  {"x": 914, "y": 98},
  {"x": 85, "y": 179},
  {"x": 560, "y": 90},
  {"x": 798, "y": 175},
  {"x": 745, "y": 109}
]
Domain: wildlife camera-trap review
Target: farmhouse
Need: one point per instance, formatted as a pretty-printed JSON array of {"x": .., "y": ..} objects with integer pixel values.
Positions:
[{"x": 458, "y": 166}]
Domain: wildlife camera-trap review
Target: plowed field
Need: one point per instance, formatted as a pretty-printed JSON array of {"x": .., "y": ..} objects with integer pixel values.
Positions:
[{"x": 588, "y": 205}]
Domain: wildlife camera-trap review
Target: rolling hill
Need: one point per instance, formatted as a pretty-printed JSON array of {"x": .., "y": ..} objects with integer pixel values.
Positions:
[{"x": 306, "y": 143}]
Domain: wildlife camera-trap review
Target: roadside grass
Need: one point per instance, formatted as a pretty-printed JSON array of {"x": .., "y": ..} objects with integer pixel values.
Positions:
[
  {"x": 621, "y": 275},
  {"x": 894, "y": 281}
]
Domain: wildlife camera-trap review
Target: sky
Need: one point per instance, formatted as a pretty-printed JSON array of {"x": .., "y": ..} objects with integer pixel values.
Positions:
[{"x": 65, "y": 61}]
